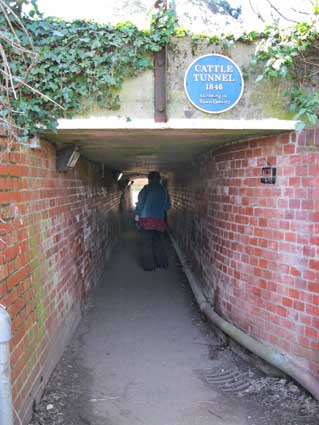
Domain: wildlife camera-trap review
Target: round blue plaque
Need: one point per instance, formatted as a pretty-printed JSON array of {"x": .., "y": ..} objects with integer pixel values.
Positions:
[{"x": 213, "y": 83}]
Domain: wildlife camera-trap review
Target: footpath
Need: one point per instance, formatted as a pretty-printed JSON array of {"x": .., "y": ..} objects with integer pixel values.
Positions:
[{"x": 143, "y": 356}]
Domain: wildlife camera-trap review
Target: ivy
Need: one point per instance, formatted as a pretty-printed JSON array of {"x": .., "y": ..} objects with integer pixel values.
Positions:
[
  {"x": 292, "y": 54},
  {"x": 223, "y": 40},
  {"x": 80, "y": 63}
]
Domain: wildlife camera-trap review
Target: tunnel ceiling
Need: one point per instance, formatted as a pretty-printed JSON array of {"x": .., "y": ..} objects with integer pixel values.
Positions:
[{"x": 164, "y": 147}]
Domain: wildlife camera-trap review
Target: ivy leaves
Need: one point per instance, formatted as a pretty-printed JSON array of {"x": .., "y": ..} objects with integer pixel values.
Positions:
[
  {"x": 83, "y": 62},
  {"x": 305, "y": 106},
  {"x": 293, "y": 54}
]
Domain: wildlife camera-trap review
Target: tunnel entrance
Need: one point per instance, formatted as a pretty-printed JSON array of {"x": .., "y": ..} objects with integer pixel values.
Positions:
[
  {"x": 250, "y": 243},
  {"x": 229, "y": 181}
]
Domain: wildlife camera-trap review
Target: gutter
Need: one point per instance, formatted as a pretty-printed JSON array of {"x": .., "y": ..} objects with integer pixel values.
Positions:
[
  {"x": 6, "y": 407},
  {"x": 266, "y": 352}
]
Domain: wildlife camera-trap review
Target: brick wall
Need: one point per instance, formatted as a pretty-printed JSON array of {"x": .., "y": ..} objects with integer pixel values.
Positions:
[
  {"x": 56, "y": 231},
  {"x": 255, "y": 247}
]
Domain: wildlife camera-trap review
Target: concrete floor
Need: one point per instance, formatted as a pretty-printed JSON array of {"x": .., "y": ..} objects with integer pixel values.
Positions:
[
  {"x": 145, "y": 346},
  {"x": 142, "y": 355}
]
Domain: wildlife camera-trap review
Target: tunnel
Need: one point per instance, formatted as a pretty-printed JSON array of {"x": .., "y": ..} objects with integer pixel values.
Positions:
[
  {"x": 243, "y": 262},
  {"x": 232, "y": 236}
]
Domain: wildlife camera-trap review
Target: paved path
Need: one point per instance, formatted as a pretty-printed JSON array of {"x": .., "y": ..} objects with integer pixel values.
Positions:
[
  {"x": 142, "y": 356},
  {"x": 144, "y": 346}
]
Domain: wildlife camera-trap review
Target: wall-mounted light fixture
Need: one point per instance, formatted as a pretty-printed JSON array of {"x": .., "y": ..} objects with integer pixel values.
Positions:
[
  {"x": 117, "y": 175},
  {"x": 67, "y": 158}
]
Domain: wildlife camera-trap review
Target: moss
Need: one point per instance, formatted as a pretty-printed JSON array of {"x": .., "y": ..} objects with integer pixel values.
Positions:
[
  {"x": 40, "y": 310},
  {"x": 268, "y": 98}
]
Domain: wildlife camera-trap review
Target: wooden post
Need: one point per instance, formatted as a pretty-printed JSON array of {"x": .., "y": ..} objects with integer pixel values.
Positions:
[{"x": 160, "y": 93}]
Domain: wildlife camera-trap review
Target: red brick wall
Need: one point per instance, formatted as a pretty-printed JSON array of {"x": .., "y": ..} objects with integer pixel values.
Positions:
[
  {"x": 56, "y": 231},
  {"x": 255, "y": 247}
]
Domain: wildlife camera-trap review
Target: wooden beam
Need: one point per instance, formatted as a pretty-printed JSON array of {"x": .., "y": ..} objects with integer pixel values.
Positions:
[
  {"x": 160, "y": 92},
  {"x": 160, "y": 96}
]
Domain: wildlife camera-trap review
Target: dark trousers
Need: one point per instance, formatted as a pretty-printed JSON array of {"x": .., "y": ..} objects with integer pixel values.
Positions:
[{"x": 153, "y": 251}]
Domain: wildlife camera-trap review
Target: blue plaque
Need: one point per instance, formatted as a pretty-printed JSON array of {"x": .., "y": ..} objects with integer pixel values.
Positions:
[{"x": 213, "y": 83}]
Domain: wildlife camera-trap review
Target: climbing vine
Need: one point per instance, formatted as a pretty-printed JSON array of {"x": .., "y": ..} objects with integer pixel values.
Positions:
[
  {"x": 76, "y": 64},
  {"x": 12, "y": 51},
  {"x": 293, "y": 54},
  {"x": 79, "y": 62}
]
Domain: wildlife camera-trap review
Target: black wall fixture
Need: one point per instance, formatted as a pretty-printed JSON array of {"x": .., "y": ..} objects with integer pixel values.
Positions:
[
  {"x": 268, "y": 175},
  {"x": 67, "y": 158}
]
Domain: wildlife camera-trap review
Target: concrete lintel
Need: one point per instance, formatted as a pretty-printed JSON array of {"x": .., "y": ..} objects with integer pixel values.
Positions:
[{"x": 102, "y": 123}]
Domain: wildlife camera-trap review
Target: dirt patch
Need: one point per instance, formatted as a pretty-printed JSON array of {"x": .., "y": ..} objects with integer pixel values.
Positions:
[{"x": 65, "y": 400}]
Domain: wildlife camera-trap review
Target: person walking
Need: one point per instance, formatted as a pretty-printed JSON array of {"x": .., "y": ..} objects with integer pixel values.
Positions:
[{"x": 150, "y": 214}]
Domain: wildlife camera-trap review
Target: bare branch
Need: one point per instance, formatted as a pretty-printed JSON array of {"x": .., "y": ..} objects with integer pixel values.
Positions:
[
  {"x": 7, "y": 73},
  {"x": 11, "y": 48},
  {"x": 15, "y": 45},
  {"x": 33, "y": 89},
  {"x": 11, "y": 124},
  {"x": 316, "y": 65},
  {"x": 256, "y": 12},
  {"x": 301, "y": 12},
  {"x": 5, "y": 7},
  {"x": 280, "y": 13}
]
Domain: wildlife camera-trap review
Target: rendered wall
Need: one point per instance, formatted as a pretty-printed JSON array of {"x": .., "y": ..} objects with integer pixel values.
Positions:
[
  {"x": 255, "y": 247},
  {"x": 56, "y": 231},
  {"x": 262, "y": 100},
  {"x": 136, "y": 100}
]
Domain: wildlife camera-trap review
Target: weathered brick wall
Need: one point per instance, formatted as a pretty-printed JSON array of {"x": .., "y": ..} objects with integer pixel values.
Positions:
[
  {"x": 255, "y": 247},
  {"x": 56, "y": 230}
]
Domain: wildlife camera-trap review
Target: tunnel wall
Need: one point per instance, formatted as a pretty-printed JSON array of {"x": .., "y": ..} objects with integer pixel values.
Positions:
[
  {"x": 56, "y": 230},
  {"x": 255, "y": 246}
]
